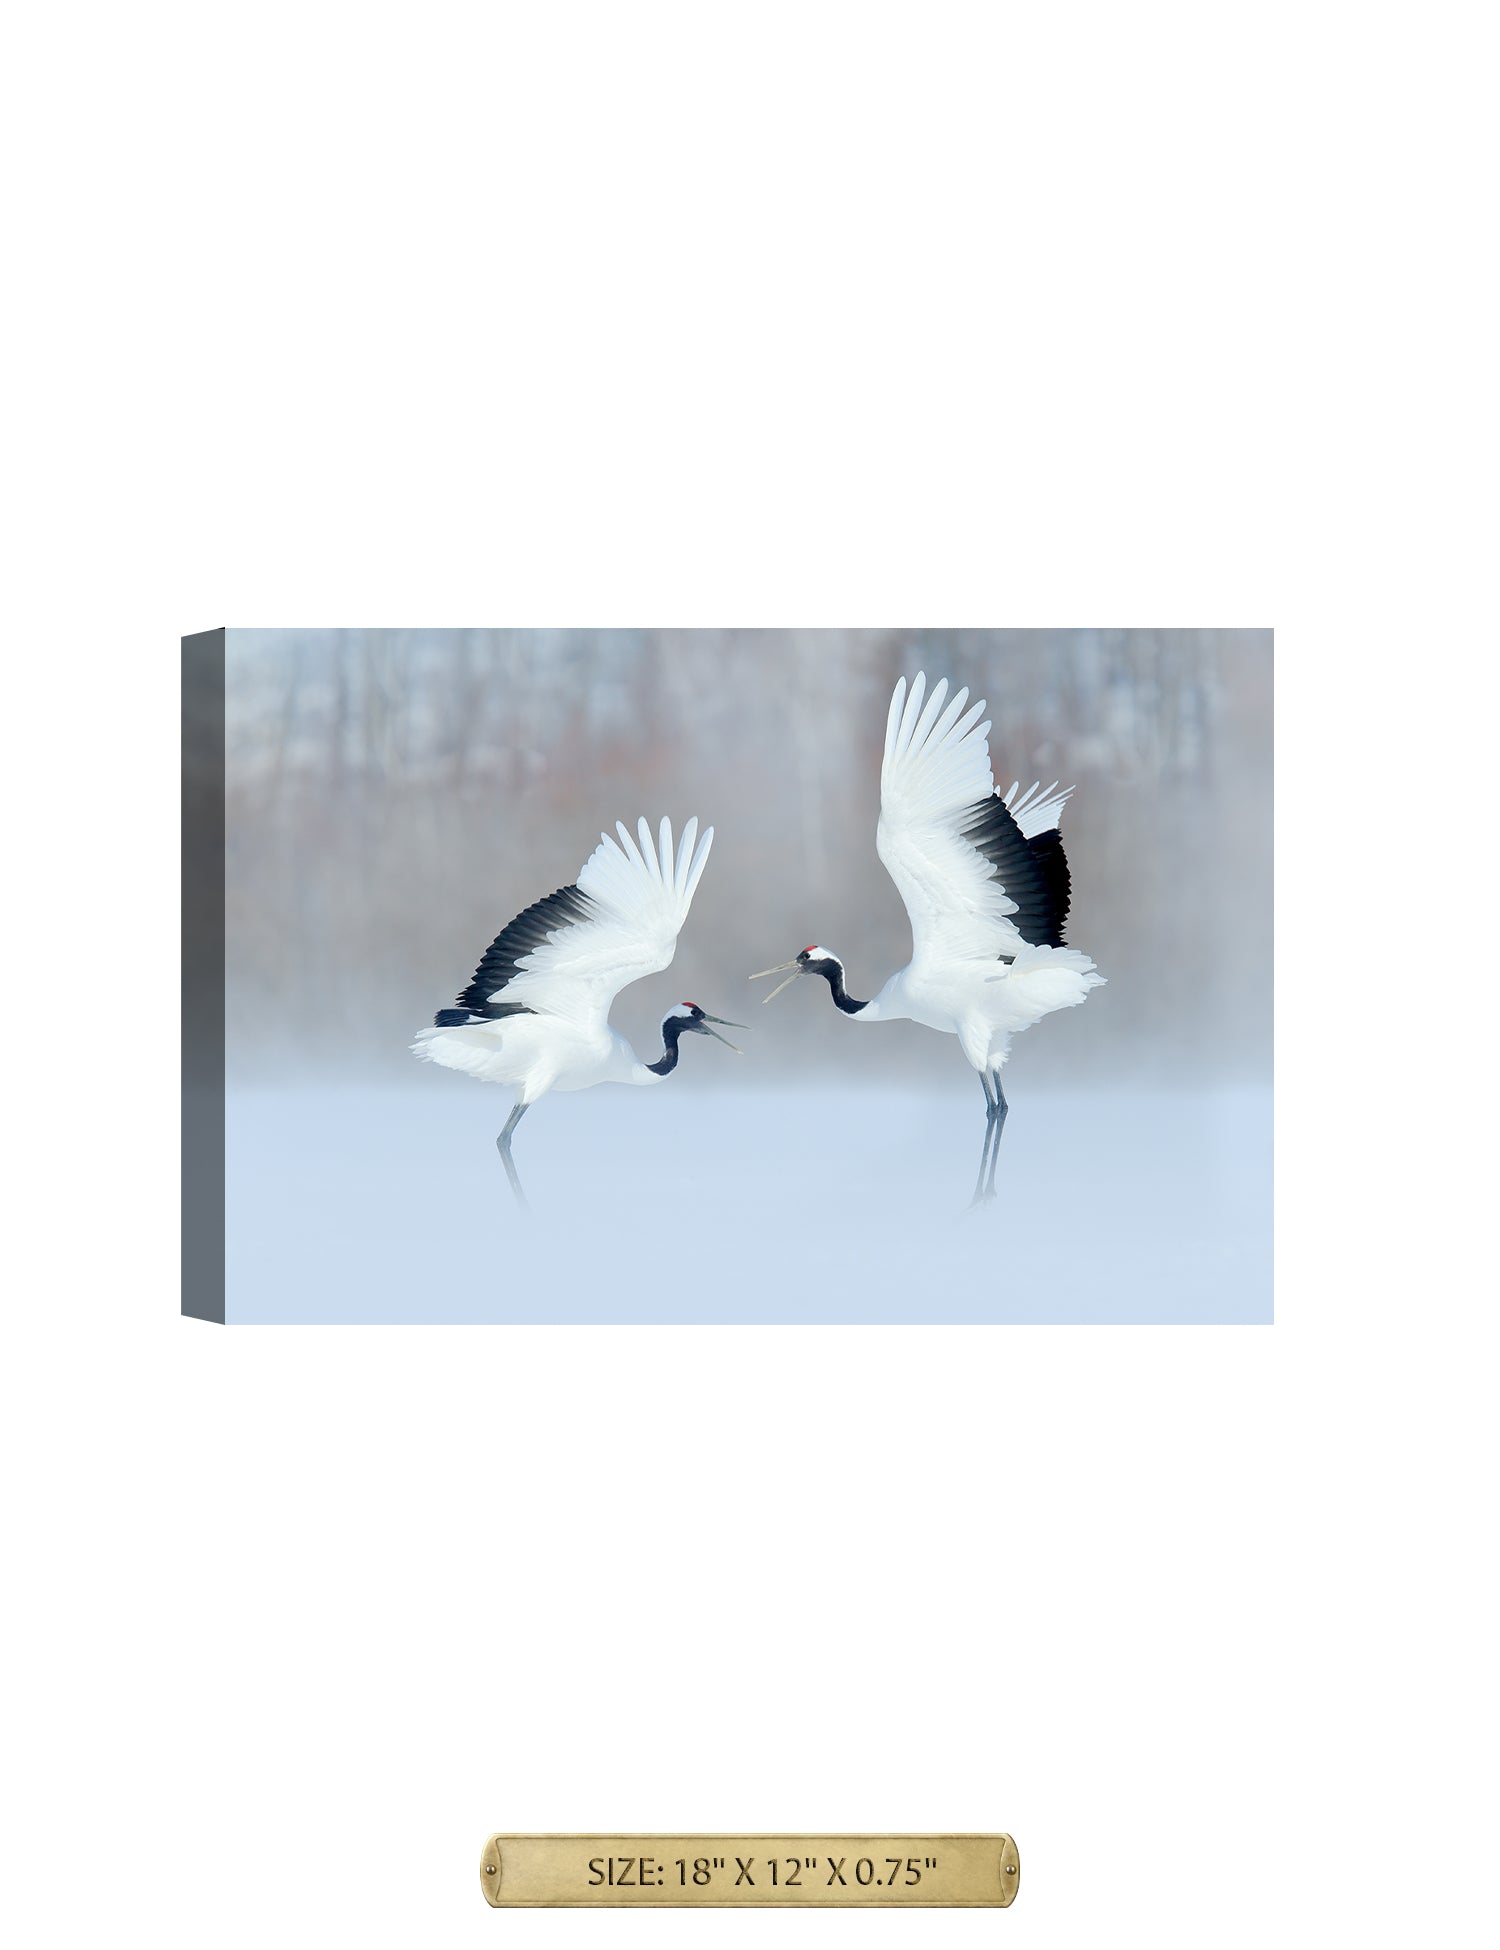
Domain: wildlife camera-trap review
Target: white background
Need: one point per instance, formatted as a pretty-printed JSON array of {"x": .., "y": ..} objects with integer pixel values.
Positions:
[{"x": 794, "y": 314}]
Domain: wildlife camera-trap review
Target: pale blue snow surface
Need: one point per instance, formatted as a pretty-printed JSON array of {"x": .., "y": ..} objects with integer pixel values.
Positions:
[{"x": 696, "y": 1203}]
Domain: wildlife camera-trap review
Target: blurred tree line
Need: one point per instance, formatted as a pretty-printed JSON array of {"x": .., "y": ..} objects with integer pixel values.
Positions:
[{"x": 395, "y": 796}]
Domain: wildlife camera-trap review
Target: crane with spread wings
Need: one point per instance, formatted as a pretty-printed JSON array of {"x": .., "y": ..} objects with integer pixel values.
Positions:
[
  {"x": 986, "y": 887},
  {"x": 536, "y": 1015}
]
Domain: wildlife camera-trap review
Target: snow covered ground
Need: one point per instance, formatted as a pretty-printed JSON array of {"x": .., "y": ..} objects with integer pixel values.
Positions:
[{"x": 696, "y": 1203}]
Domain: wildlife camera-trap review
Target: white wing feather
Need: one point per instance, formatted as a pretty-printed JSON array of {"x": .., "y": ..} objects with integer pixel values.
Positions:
[
  {"x": 638, "y": 895},
  {"x": 1036, "y": 811},
  {"x": 935, "y": 772},
  {"x": 936, "y": 769}
]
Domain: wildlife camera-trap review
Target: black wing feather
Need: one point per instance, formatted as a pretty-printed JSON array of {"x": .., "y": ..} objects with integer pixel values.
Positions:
[
  {"x": 522, "y": 936},
  {"x": 1052, "y": 864},
  {"x": 1034, "y": 873}
]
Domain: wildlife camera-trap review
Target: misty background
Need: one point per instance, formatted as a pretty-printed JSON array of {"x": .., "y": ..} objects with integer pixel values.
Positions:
[{"x": 394, "y": 797}]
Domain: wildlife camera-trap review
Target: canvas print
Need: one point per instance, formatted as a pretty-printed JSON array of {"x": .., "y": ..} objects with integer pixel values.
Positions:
[{"x": 935, "y": 965}]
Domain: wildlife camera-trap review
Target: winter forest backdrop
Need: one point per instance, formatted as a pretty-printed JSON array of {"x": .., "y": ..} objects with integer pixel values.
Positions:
[{"x": 395, "y": 796}]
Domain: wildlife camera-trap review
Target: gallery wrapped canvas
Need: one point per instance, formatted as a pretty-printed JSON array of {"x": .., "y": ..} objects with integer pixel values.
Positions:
[{"x": 438, "y": 885}]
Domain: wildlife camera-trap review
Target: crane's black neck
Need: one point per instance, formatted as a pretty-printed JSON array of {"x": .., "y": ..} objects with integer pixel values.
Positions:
[
  {"x": 666, "y": 1063},
  {"x": 834, "y": 977}
]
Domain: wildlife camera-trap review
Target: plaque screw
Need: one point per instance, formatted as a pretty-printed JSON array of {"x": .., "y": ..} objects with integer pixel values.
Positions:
[
  {"x": 1010, "y": 1868},
  {"x": 489, "y": 1868}
]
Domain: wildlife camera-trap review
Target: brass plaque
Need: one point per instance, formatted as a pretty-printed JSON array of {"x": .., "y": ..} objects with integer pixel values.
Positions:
[{"x": 728, "y": 1871}]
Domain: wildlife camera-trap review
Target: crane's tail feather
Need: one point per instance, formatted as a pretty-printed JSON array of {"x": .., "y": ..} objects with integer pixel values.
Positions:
[
  {"x": 474, "y": 1048},
  {"x": 1040, "y": 980}
]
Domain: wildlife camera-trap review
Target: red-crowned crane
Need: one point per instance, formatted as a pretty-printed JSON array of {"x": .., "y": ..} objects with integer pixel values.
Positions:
[
  {"x": 536, "y": 1015},
  {"x": 986, "y": 887}
]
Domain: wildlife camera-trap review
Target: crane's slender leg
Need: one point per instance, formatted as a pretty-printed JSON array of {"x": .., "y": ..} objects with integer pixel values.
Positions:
[
  {"x": 502, "y": 1145},
  {"x": 998, "y": 1119},
  {"x": 989, "y": 1130}
]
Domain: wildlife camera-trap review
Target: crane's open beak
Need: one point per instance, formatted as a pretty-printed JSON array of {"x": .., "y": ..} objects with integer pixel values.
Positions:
[
  {"x": 796, "y": 968},
  {"x": 706, "y": 1019}
]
